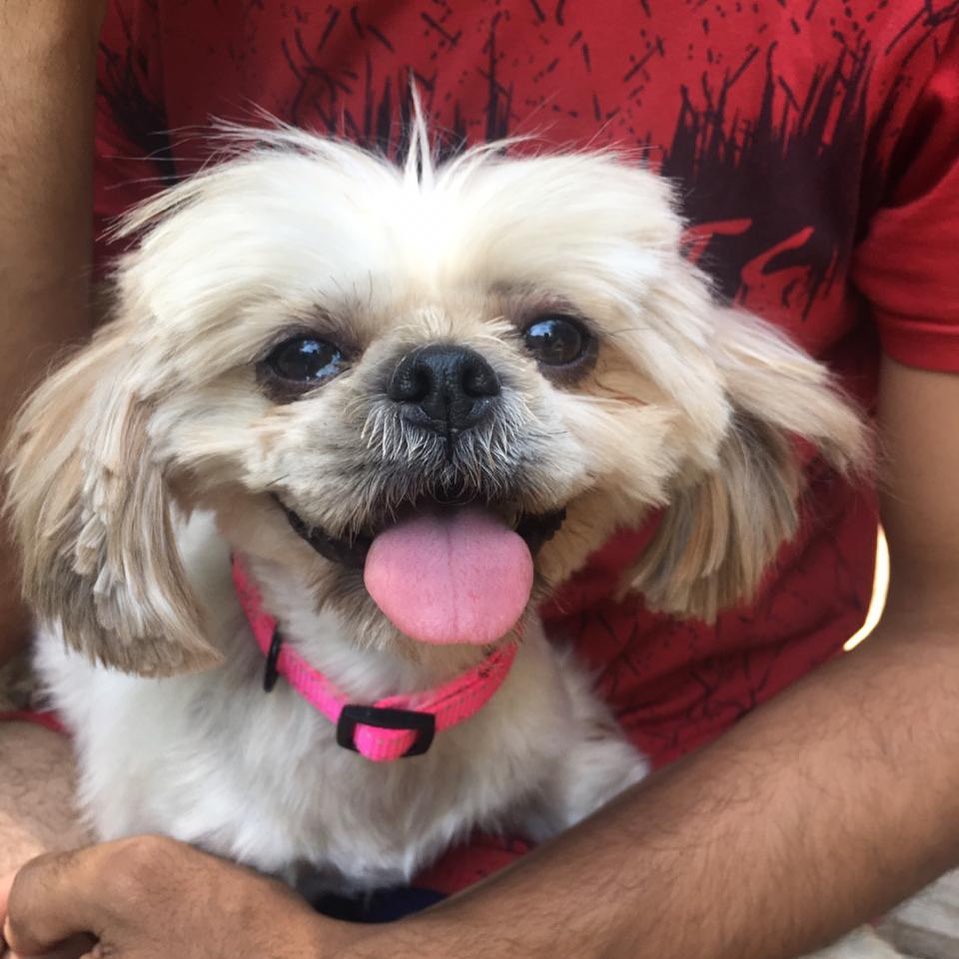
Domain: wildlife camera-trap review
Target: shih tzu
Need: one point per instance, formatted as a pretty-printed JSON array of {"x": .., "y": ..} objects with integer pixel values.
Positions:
[{"x": 287, "y": 520}]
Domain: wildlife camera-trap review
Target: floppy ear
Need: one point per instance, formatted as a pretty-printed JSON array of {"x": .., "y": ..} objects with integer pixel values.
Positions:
[
  {"x": 719, "y": 533},
  {"x": 93, "y": 517}
]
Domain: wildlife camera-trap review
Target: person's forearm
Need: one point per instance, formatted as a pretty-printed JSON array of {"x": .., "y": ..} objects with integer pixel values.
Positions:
[
  {"x": 37, "y": 809},
  {"x": 47, "y": 76},
  {"x": 816, "y": 813}
]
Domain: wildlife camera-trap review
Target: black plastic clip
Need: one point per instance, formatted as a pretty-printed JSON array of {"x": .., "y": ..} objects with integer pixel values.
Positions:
[
  {"x": 424, "y": 724},
  {"x": 270, "y": 672}
]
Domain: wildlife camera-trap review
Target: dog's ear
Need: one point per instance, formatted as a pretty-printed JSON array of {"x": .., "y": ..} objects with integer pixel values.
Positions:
[
  {"x": 93, "y": 517},
  {"x": 720, "y": 532}
]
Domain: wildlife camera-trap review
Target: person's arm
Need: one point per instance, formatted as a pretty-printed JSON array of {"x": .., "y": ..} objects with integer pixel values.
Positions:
[
  {"x": 47, "y": 70},
  {"x": 820, "y": 810},
  {"x": 37, "y": 807}
]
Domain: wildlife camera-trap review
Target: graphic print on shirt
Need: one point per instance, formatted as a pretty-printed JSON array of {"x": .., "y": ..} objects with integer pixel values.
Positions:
[{"x": 717, "y": 98}]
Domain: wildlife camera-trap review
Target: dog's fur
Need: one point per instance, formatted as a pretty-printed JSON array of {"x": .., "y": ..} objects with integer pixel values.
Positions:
[{"x": 122, "y": 462}]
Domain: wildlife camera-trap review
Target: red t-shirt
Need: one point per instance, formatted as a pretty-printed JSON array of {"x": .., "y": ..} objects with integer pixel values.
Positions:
[{"x": 816, "y": 149}]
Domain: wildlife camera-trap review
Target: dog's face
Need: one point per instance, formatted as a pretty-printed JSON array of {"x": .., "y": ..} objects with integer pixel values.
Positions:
[{"x": 357, "y": 365}]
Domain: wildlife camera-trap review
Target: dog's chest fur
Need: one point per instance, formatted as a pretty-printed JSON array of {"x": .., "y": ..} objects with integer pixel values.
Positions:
[{"x": 212, "y": 759}]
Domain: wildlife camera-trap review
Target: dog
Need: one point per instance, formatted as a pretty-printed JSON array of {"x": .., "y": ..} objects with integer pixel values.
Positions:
[{"x": 287, "y": 520}]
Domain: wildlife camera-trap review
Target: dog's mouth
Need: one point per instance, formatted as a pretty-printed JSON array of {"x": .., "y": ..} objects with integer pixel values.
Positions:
[
  {"x": 444, "y": 570},
  {"x": 535, "y": 529}
]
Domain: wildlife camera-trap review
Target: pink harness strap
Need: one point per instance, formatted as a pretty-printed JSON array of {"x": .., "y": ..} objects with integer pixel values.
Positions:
[{"x": 419, "y": 714}]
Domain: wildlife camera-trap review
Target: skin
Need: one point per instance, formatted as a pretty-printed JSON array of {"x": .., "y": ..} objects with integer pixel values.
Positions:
[
  {"x": 813, "y": 814},
  {"x": 47, "y": 76},
  {"x": 36, "y": 795}
]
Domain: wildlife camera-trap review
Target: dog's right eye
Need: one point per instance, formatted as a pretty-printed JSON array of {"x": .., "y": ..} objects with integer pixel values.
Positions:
[{"x": 305, "y": 360}]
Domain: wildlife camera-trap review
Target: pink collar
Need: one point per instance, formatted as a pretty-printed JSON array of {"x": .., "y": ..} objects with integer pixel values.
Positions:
[{"x": 391, "y": 728}]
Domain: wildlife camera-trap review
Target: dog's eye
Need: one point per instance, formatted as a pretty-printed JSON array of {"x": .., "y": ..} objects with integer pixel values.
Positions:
[
  {"x": 556, "y": 340},
  {"x": 305, "y": 359}
]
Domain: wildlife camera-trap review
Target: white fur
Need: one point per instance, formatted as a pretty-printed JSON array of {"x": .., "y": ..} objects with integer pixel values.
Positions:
[
  {"x": 211, "y": 759},
  {"x": 690, "y": 407}
]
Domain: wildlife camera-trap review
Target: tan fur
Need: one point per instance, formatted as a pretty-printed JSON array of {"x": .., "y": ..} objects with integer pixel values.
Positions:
[
  {"x": 720, "y": 532},
  {"x": 716, "y": 538},
  {"x": 92, "y": 515}
]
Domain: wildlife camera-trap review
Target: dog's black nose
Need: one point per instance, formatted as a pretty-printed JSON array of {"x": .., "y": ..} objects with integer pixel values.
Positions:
[{"x": 447, "y": 388}]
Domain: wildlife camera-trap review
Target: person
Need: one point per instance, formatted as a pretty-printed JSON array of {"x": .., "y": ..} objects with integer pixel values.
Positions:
[{"x": 816, "y": 148}]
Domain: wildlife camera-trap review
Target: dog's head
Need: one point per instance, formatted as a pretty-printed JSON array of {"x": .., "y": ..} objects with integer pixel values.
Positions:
[{"x": 460, "y": 380}]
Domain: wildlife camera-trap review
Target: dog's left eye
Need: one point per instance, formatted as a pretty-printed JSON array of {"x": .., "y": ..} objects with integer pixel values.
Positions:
[
  {"x": 305, "y": 359},
  {"x": 556, "y": 340}
]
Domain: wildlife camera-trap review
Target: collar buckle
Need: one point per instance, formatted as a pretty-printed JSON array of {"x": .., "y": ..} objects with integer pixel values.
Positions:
[
  {"x": 352, "y": 715},
  {"x": 271, "y": 671}
]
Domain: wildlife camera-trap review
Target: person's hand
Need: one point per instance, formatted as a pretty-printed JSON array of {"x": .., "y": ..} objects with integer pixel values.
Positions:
[{"x": 153, "y": 898}]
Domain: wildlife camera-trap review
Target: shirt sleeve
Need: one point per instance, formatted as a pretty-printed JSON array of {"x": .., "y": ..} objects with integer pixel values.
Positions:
[
  {"x": 133, "y": 158},
  {"x": 907, "y": 266}
]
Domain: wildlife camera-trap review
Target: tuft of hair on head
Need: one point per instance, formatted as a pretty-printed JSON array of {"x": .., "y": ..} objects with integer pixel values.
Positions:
[
  {"x": 94, "y": 518},
  {"x": 418, "y": 168},
  {"x": 724, "y": 525}
]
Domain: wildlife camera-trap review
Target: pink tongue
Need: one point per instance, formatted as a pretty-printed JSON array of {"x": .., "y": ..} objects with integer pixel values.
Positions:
[{"x": 458, "y": 577}]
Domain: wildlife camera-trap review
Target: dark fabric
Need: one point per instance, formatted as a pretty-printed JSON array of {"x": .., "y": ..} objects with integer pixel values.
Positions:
[{"x": 385, "y": 905}]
